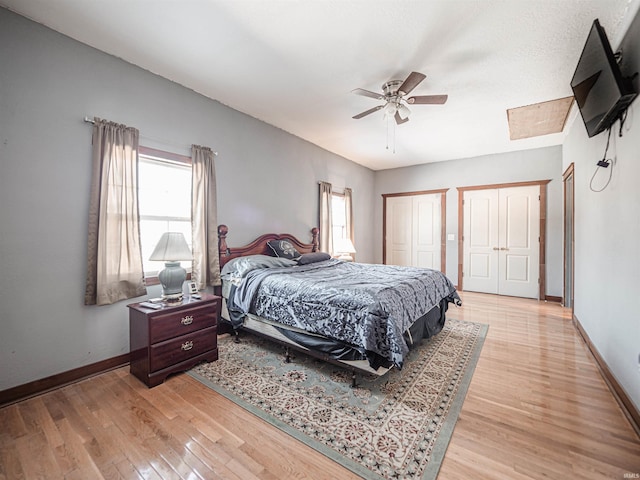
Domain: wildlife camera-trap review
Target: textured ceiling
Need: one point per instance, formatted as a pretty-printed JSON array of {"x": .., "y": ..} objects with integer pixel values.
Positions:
[{"x": 293, "y": 63}]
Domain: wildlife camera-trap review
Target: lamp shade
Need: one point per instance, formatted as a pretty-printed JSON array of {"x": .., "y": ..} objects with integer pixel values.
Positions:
[
  {"x": 172, "y": 246},
  {"x": 403, "y": 111},
  {"x": 344, "y": 245},
  {"x": 390, "y": 109}
]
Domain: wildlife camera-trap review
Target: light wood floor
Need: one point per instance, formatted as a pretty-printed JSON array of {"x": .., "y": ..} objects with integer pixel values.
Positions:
[{"x": 537, "y": 408}]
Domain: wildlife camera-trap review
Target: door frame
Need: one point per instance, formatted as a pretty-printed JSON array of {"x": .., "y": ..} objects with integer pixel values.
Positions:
[
  {"x": 443, "y": 222},
  {"x": 543, "y": 223},
  {"x": 568, "y": 173}
]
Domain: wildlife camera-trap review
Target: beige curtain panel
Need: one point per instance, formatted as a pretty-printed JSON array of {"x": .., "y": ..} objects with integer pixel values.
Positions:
[
  {"x": 326, "y": 228},
  {"x": 348, "y": 207},
  {"x": 206, "y": 264},
  {"x": 114, "y": 263}
]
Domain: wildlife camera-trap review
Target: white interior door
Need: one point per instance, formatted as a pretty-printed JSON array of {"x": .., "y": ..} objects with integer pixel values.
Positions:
[
  {"x": 427, "y": 232},
  {"x": 414, "y": 231},
  {"x": 480, "y": 242},
  {"x": 501, "y": 241},
  {"x": 398, "y": 231},
  {"x": 519, "y": 241}
]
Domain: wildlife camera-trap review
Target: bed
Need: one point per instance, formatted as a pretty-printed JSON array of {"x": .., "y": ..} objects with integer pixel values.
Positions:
[{"x": 362, "y": 317}]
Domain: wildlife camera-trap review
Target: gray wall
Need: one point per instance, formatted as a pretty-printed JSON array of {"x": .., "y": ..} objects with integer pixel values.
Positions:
[
  {"x": 267, "y": 181},
  {"x": 526, "y": 165},
  {"x": 607, "y": 229}
]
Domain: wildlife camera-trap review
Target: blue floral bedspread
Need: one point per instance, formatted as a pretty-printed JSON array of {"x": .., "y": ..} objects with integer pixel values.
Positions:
[{"x": 365, "y": 305}]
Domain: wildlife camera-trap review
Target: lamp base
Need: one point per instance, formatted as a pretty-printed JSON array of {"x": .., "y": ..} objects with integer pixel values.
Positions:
[
  {"x": 175, "y": 299},
  {"x": 171, "y": 279}
]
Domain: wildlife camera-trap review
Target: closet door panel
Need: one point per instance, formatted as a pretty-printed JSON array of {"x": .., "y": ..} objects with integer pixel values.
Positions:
[
  {"x": 480, "y": 241},
  {"x": 399, "y": 231},
  {"x": 519, "y": 241},
  {"x": 426, "y": 231}
]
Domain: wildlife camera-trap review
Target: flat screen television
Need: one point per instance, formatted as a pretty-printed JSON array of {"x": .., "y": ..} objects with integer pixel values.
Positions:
[{"x": 600, "y": 90}]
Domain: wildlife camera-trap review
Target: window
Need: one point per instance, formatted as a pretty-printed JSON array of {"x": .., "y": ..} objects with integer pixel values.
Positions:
[
  {"x": 164, "y": 196},
  {"x": 338, "y": 217}
]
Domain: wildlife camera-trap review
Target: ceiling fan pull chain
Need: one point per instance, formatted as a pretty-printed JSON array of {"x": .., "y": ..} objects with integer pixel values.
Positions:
[
  {"x": 387, "y": 122},
  {"x": 394, "y": 138}
]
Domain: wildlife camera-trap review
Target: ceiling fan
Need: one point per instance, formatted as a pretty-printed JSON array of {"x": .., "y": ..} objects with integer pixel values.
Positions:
[{"x": 393, "y": 93}]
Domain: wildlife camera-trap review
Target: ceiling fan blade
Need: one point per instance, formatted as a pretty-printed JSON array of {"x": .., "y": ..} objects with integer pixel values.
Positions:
[
  {"x": 412, "y": 81},
  {"x": 364, "y": 114},
  {"x": 399, "y": 119},
  {"x": 427, "y": 100},
  {"x": 367, "y": 93}
]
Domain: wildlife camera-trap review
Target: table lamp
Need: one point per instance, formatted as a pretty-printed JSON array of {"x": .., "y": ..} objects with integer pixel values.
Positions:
[{"x": 344, "y": 248}]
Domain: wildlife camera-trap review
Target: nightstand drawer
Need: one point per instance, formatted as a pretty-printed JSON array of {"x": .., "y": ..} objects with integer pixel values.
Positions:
[
  {"x": 185, "y": 321},
  {"x": 182, "y": 348}
]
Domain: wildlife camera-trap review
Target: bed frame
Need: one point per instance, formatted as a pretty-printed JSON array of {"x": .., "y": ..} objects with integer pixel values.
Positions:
[{"x": 259, "y": 247}]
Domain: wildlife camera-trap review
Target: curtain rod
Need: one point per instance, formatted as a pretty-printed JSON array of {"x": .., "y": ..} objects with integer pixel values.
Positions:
[
  {"x": 321, "y": 182},
  {"x": 93, "y": 122}
]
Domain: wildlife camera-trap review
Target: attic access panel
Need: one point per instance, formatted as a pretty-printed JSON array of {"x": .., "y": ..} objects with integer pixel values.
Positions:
[{"x": 538, "y": 119}]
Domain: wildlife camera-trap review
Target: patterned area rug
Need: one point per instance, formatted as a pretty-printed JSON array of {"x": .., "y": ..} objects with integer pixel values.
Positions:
[{"x": 394, "y": 426}]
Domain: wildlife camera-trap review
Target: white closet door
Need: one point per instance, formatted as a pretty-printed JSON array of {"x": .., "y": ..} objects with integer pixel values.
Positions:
[
  {"x": 398, "y": 234},
  {"x": 519, "y": 241},
  {"x": 414, "y": 231},
  {"x": 501, "y": 246},
  {"x": 480, "y": 242},
  {"x": 427, "y": 233}
]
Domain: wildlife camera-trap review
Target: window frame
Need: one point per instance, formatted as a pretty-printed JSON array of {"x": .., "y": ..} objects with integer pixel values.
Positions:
[
  {"x": 161, "y": 155},
  {"x": 343, "y": 226}
]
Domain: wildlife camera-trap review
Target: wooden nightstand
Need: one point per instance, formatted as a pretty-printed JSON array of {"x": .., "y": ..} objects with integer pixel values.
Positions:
[{"x": 174, "y": 338}]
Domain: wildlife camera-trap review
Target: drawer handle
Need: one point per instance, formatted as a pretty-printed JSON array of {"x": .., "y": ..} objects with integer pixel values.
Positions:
[
  {"x": 187, "y": 320},
  {"x": 187, "y": 345}
]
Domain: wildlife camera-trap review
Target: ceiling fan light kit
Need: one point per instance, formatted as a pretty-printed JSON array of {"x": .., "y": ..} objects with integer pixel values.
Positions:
[
  {"x": 393, "y": 95},
  {"x": 390, "y": 109},
  {"x": 404, "y": 112}
]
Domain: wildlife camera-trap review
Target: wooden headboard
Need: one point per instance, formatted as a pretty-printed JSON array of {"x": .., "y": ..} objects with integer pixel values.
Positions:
[{"x": 259, "y": 245}]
